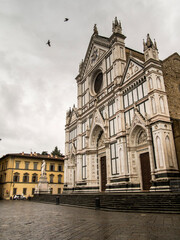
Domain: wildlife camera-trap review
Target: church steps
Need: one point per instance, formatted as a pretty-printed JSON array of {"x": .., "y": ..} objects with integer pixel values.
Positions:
[{"x": 147, "y": 202}]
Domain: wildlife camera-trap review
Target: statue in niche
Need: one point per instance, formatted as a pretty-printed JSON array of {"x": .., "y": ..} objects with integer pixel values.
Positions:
[{"x": 142, "y": 137}]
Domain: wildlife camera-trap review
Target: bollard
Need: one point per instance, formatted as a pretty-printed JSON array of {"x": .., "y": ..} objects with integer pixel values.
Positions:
[
  {"x": 57, "y": 200},
  {"x": 97, "y": 203}
]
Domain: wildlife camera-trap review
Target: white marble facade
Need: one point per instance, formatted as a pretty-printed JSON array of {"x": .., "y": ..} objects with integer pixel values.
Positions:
[{"x": 119, "y": 137}]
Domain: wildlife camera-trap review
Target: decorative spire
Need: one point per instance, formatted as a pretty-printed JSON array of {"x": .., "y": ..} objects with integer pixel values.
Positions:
[
  {"x": 150, "y": 49},
  {"x": 149, "y": 43},
  {"x": 95, "y": 30},
  {"x": 144, "y": 44},
  {"x": 155, "y": 45},
  {"x": 116, "y": 26}
]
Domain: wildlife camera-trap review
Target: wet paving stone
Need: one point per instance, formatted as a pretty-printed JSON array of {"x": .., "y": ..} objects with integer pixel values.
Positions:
[{"x": 31, "y": 220}]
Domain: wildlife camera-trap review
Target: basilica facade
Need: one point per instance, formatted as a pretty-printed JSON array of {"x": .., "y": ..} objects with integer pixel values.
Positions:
[{"x": 119, "y": 138}]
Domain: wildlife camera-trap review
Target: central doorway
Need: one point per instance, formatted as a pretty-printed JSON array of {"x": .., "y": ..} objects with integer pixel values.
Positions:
[
  {"x": 103, "y": 173},
  {"x": 145, "y": 171}
]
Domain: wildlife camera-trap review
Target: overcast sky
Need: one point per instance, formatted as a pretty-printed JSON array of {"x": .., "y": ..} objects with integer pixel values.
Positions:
[{"x": 37, "y": 82}]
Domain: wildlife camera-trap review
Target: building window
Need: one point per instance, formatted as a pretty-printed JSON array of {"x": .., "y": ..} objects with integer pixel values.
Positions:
[
  {"x": 84, "y": 126},
  {"x": 153, "y": 105},
  {"x": 26, "y": 177},
  {"x": 24, "y": 191},
  {"x": 112, "y": 127},
  {"x": 98, "y": 83},
  {"x": 51, "y": 178},
  {"x": 135, "y": 97},
  {"x": 84, "y": 166},
  {"x": 159, "y": 82},
  {"x": 140, "y": 92},
  {"x": 59, "y": 190},
  {"x": 110, "y": 77},
  {"x": 16, "y": 177},
  {"x": 26, "y": 165},
  {"x": 73, "y": 134},
  {"x": 150, "y": 83},
  {"x": 125, "y": 101},
  {"x": 109, "y": 61},
  {"x": 162, "y": 104},
  {"x": 60, "y": 168},
  {"x": 14, "y": 191},
  {"x": 34, "y": 177},
  {"x": 136, "y": 94},
  {"x": 130, "y": 98},
  {"x": 51, "y": 167},
  {"x": 59, "y": 178},
  {"x": 17, "y": 164},
  {"x": 83, "y": 141},
  {"x": 114, "y": 159},
  {"x": 33, "y": 190},
  {"x": 111, "y": 108},
  {"x": 35, "y": 165}
]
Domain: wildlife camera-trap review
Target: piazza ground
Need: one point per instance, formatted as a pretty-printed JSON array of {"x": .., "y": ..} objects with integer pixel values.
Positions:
[{"x": 32, "y": 220}]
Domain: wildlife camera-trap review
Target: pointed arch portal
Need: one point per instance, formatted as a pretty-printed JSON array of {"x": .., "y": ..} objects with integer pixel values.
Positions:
[
  {"x": 97, "y": 140},
  {"x": 138, "y": 138}
]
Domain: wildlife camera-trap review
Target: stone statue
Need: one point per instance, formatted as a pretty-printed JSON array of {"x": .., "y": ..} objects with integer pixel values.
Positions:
[
  {"x": 95, "y": 30},
  {"x": 43, "y": 168}
]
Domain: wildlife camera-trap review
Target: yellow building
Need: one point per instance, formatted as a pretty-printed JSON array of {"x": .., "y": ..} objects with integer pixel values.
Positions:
[{"x": 20, "y": 173}]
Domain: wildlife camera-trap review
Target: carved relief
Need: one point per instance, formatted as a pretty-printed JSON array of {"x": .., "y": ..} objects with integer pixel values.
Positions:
[
  {"x": 94, "y": 55},
  {"x": 142, "y": 138},
  {"x": 132, "y": 70}
]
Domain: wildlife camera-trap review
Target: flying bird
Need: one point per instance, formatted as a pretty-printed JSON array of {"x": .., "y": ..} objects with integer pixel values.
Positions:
[
  {"x": 66, "y": 19},
  {"x": 48, "y": 43}
]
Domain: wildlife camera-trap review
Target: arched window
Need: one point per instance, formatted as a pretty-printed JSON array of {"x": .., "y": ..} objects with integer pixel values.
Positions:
[
  {"x": 161, "y": 101},
  {"x": 34, "y": 177},
  {"x": 153, "y": 105},
  {"x": 158, "y": 82},
  {"x": 150, "y": 83},
  {"x": 16, "y": 177},
  {"x": 26, "y": 177},
  {"x": 159, "y": 152},
  {"x": 169, "y": 152}
]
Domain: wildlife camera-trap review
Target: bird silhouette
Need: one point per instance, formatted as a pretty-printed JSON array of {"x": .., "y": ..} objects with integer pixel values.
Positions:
[
  {"x": 66, "y": 19},
  {"x": 48, "y": 43}
]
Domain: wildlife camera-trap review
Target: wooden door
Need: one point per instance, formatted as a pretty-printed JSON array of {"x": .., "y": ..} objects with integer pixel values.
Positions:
[
  {"x": 145, "y": 171},
  {"x": 103, "y": 174}
]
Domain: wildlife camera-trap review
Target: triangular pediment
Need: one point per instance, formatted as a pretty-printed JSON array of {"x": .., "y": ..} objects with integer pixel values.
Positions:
[
  {"x": 97, "y": 120},
  {"x": 73, "y": 117},
  {"x": 133, "y": 67},
  {"x": 138, "y": 119},
  {"x": 98, "y": 46}
]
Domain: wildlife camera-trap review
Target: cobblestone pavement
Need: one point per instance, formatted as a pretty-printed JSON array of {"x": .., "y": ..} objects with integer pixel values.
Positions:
[{"x": 32, "y": 220}]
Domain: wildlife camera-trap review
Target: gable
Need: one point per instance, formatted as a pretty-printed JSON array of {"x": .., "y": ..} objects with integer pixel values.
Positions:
[
  {"x": 97, "y": 120},
  {"x": 73, "y": 117},
  {"x": 98, "y": 46},
  {"x": 133, "y": 68}
]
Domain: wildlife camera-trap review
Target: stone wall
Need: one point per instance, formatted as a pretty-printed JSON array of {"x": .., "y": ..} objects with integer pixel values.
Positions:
[{"x": 171, "y": 72}]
